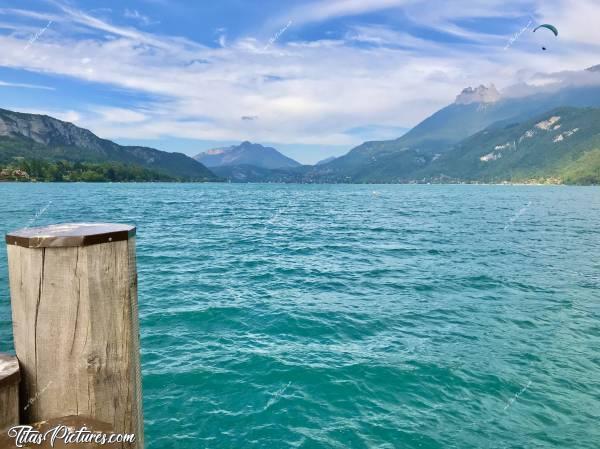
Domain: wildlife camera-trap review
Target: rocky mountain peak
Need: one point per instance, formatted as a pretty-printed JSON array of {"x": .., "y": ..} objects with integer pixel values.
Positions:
[
  {"x": 481, "y": 94},
  {"x": 246, "y": 153}
]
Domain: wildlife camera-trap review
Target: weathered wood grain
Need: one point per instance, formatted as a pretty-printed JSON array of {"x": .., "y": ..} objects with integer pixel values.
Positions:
[
  {"x": 76, "y": 332},
  {"x": 9, "y": 391}
]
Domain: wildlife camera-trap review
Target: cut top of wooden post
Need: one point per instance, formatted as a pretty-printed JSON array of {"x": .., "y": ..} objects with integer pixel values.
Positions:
[
  {"x": 9, "y": 370},
  {"x": 70, "y": 234}
]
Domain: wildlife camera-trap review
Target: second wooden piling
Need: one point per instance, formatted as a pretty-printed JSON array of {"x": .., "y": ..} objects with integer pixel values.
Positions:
[{"x": 9, "y": 391}]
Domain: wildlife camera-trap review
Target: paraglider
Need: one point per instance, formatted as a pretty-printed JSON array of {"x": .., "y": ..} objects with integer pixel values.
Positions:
[{"x": 549, "y": 27}]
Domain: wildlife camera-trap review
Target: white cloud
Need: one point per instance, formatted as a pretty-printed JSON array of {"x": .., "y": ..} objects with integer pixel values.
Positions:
[
  {"x": 47, "y": 17},
  {"x": 24, "y": 85},
  {"x": 139, "y": 17},
  {"x": 575, "y": 19},
  {"x": 64, "y": 115},
  {"x": 328, "y": 9},
  {"x": 303, "y": 91},
  {"x": 81, "y": 18},
  {"x": 120, "y": 115}
]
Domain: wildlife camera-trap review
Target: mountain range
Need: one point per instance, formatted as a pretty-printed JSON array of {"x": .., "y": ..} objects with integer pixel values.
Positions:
[
  {"x": 43, "y": 138},
  {"x": 556, "y": 146},
  {"x": 446, "y": 146},
  {"x": 400, "y": 159},
  {"x": 545, "y": 133},
  {"x": 248, "y": 162}
]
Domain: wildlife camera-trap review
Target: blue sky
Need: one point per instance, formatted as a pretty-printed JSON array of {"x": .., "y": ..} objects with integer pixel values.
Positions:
[{"x": 312, "y": 78}]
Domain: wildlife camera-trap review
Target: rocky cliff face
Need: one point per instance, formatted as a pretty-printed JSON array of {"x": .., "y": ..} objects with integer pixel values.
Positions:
[
  {"x": 481, "y": 94},
  {"x": 47, "y": 130}
]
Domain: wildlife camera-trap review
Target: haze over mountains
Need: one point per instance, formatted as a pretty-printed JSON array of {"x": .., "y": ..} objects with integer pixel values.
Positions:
[
  {"x": 246, "y": 153},
  {"x": 483, "y": 136},
  {"x": 327, "y": 160}
]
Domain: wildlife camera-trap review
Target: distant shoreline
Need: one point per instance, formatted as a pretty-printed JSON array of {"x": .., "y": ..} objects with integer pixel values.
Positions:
[{"x": 507, "y": 184}]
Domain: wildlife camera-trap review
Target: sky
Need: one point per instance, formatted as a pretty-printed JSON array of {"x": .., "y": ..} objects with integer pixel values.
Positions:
[{"x": 311, "y": 78}]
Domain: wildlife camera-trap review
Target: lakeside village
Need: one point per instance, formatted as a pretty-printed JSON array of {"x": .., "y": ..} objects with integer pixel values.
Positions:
[{"x": 8, "y": 174}]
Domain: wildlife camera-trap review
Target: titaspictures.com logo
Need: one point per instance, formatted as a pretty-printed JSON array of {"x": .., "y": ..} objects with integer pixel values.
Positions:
[{"x": 26, "y": 436}]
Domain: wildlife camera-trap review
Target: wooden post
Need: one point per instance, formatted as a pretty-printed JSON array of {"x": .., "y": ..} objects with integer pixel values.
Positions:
[
  {"x": 9, "y": 391},
  {"x": 75, "y": 322}
]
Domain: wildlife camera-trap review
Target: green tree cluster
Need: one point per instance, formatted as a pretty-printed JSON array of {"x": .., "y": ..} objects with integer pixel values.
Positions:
[{"x": 66, "y": 171}]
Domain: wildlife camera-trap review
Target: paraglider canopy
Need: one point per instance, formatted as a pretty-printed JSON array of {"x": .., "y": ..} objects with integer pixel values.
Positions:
[{"x": 548, "y": 26}]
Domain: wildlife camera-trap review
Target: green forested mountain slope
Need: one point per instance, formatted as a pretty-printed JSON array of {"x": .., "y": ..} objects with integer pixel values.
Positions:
[
  {"x": 561, "y": 145},
  {"x": 394, "y": 160},
  {"x": 39, "y": 137}
]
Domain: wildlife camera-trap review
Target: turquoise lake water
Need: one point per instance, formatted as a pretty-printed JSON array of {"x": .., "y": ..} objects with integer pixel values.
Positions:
[{"x": 338, "y": 316}]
